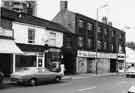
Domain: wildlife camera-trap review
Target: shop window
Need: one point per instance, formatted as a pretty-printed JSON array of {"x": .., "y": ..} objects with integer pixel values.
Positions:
[
  {"x": 81, "y": 23},
  {"x": 31, "y": 35}
]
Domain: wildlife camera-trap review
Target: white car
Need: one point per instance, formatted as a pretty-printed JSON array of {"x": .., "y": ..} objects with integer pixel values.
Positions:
[
  {"x": 130, "y": 71},
  {"x": 33, "y": 75}
]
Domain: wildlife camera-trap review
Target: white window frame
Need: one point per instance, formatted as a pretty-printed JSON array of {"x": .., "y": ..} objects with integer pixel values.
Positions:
[{"x": 32, "y": 40}]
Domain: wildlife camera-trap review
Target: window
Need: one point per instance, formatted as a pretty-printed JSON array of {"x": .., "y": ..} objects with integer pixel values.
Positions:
[
  {"x": 105, "y": 45},
  {"x": 99, "y": 29},
  {"x": 89, "y": 26},
  {"x": 89, "y": 44},
  {"x": 120, "y": 35},
  {"x": 31, "y": 35},
  {"x": 80, "y": 23},
  {"x": 52, "y": 39},
  {"x": 112, "y": 33},
  {"x": 80, "y": 41},
  {"x": 99, "y": 45},
  {"x": 120, "y": 49},
  {"x": 105, "y": 31},
  {"x": 52, "y": 35},
  {"x": 112, "y": 47}
]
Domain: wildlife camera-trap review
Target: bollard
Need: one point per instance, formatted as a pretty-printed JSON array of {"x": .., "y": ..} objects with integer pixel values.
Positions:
[{"x": 131, "y": 89}]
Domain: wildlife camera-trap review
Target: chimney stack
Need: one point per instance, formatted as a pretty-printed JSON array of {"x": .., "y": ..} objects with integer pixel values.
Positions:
[
  {"x": 104, "y": 20},
  {"x": 63, "y": 5}
]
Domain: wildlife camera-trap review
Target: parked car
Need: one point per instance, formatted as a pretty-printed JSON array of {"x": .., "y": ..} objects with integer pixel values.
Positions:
[
  {"x": 130, "y": 71},
  {"x": 1, "y": 77},
  {"x": 33, "y": 75}
]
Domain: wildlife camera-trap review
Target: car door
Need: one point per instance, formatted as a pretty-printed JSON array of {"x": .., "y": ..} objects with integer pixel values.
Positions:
[{"x": 48, "y": 75}]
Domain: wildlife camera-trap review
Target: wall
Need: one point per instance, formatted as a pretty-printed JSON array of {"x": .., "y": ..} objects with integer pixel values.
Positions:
[
  {"x": 67, "y": 19},
  {"x": 42, "y": 35}
]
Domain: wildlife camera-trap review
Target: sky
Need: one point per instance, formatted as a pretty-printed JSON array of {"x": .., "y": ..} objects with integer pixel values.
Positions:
[{"x": 120, "y": 12}]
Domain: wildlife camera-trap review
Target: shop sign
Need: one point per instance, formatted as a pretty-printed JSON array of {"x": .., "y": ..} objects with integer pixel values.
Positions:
[
  {"x": 54, "y": 50},
  {"x": 121, "y": 56},
  {"x": 30, "y": 53},
  {"x": 99, "y": 55},
  {"x": 86, "y": 54}
]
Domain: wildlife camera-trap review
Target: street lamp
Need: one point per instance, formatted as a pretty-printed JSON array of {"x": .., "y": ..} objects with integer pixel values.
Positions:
[{"x": 97, "y": 28}]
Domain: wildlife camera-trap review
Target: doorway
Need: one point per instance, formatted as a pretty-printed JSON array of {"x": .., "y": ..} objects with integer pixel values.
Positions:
[{"x": 113, "y": 65}]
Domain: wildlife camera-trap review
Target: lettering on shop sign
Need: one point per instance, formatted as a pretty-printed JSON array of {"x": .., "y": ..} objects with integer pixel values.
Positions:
[{"x": 99, "y": 55}]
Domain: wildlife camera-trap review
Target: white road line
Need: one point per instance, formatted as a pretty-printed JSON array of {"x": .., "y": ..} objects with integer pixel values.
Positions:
[{"x": 90, "y": 88}]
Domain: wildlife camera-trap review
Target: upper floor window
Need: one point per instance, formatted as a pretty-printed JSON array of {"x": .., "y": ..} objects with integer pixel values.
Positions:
[
  {"x": 89, "y": 43},
  {"x": 120, "y": 49},
  {"x": 52, "y": 38},
  {"x": 99, "y": 29},
  {"x": 99, "y": 45},
  {"x": 80, "y": 41},
  {"x": 105, "y": 31},
  {"x": 105, "y": 45},
  {"x": 112, "y": 47},
  {"x": 120, "y": 35},
  {"x": 52, "y": 35},
  {"x": 112, "y": 33},
  {"x": 81, "y": 23},
  {"x": 89, "y": 26},
  {"x": 31, "y": 35}
]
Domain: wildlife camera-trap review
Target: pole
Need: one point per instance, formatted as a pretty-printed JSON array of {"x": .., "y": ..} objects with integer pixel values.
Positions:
[{"x": 96, "y": 37}]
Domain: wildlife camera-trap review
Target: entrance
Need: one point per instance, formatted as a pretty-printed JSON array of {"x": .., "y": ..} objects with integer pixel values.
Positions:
[
  {"x": 5, "y": 64},
  {"x": 113, "y": 65}
]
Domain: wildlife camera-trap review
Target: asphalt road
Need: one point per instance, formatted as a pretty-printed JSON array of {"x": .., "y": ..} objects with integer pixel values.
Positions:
[{"x": 104, "y": 84}]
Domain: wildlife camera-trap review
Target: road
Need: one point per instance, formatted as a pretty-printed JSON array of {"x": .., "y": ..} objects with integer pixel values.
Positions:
[{"x": 104, "y": 84}]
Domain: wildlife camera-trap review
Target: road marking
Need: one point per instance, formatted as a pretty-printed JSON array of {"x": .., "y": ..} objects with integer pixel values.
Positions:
[{"x": 90, "y": 88}]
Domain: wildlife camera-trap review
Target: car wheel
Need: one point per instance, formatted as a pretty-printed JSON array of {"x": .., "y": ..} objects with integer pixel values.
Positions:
[
  {"x": 33, "y": 82},
  {"x": 58, "y": 78}
]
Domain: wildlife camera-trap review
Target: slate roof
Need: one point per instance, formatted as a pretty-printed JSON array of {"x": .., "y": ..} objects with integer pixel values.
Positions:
[{"x": 33, "y": 20}]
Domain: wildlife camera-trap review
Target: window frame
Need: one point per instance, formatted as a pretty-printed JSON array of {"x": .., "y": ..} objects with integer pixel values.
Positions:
[{"x": 31, "y": 35}]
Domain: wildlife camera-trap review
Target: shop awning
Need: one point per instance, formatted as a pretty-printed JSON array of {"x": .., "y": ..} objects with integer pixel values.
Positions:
[{"x": 9, "y": 46}]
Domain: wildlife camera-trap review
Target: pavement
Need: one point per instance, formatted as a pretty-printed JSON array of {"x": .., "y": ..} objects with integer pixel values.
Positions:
[
  {"x": 89, "y": 75},
  {"x": 77, "y": 76}
]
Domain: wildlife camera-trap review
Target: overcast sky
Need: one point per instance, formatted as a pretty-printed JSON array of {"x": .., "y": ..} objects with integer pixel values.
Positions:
[{"x": 120, "y": 12}]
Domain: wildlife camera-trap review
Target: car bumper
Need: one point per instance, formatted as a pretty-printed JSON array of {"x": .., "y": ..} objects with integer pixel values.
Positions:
[
  {"x": 131, "y": 73},
  {"x": 19, "y": 80}
]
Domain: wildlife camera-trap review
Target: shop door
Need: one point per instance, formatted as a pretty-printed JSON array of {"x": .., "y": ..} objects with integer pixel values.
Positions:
[
  {"x": 113, "y": 65},
  {"x": 89, "y": 65}
]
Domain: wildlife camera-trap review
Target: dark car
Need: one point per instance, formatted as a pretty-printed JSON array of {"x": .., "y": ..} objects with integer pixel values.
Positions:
[{"x": 1, "y": 77}]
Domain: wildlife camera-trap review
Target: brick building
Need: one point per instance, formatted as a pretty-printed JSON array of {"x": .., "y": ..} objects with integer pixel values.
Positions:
[{"x": 110, "y": 43}]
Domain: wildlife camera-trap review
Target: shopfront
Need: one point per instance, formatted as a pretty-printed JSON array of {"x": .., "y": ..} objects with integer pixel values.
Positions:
[
  {"x": 121, "y": 62},
  {"x": 30, "y": 59},
  {"x": 8, "y": 50},
  {"x": 53, "y": 58},
  {"x": 90, "y": 62}
]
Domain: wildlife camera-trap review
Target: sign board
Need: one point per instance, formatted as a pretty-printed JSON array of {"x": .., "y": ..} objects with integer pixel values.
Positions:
[{"x": 93, "y": 54}]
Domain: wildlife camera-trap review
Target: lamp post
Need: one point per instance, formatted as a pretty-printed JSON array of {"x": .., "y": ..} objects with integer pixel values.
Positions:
[{"x": 96, "y": 36}]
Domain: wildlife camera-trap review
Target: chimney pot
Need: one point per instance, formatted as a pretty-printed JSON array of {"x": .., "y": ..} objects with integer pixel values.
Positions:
[{"x": 63, "y": 4}]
